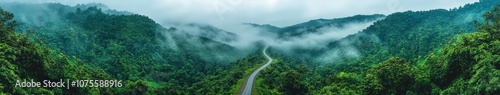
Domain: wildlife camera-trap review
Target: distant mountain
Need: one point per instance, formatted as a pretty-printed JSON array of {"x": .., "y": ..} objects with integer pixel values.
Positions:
[
  {"x": 104, "y": 8},
  {"x": 312, "y": 25},
  {"x": 264, "y": 27},
  {"x": 209, "y": 31}
]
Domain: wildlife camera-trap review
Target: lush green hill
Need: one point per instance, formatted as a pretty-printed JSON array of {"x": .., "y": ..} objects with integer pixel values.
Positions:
[
  {"x": 409, "y": 34},
  {"x": 22, "y": 57},
  {"x": 126, "y": 46},
  {"x": 405, "y": 38}
]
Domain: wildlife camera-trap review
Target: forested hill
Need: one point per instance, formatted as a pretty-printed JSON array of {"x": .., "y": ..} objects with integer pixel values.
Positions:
[
  {"x": 126, "y": 46},
  {"x": 417, "y": 53},
  {"x": 408, "y": 34},
  {"x": 312, "y": 26},
  {"x": 23, "y": 57},
  {"x": 418, "y": 33}
]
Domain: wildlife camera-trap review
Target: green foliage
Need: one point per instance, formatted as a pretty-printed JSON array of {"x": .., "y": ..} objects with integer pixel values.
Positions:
[
  {"x": 469, "y": 64},
  {"x": 139, "y": 87},
  {"x": 226, "y": 80},
  {"x": 23, "y": 59},
  {"x": 416, "y": 36},
  {"x": 281, "y": 77},
  {"x": 131, "y": 47},
  {"x": 393, "y": 76},
  {"x": 343, "y": 84}
]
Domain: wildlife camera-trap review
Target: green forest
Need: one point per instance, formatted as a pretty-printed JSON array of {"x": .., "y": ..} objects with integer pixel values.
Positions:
[{"x": 441, "y": 51}]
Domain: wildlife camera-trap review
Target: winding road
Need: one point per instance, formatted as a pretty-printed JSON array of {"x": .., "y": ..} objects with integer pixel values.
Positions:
[{"x": 249, "y": 84}]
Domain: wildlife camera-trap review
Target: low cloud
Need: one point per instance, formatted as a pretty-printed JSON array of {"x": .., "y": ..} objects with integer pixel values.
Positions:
[
  {"x": 324, "y": 36},
  {"x": 249, "y": 37}
]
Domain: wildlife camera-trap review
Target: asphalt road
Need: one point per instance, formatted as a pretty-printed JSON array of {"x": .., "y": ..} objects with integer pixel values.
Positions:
[{"x": 249, "y": 83}]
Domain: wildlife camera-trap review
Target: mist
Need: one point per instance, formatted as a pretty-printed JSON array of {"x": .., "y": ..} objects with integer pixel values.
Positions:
[{"x": 324, "y": 36}]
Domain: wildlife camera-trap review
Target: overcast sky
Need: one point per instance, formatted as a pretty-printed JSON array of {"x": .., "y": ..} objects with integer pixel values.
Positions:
[{"x": 275, "y": 12}]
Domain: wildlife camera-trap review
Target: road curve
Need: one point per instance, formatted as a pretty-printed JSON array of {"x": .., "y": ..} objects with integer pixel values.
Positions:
[{"x": 249, "y": 84}]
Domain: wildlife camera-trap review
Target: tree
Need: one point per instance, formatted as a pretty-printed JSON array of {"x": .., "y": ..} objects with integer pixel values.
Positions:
[
  {"x": 393, "y": 76},
  {"x": 293, "y": 83},
  {"x": 139, "y": 87},
  {"x": 24, "y": 58},
  {"x": 469, "y": 63}
]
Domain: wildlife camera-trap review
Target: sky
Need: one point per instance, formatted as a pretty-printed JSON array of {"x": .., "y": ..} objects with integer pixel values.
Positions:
[{"x": 279, "y": 13}]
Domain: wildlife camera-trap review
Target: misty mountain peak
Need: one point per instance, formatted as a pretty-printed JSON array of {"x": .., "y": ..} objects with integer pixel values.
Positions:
[{"x": 312, "y": 26}]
